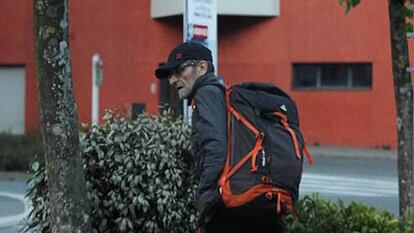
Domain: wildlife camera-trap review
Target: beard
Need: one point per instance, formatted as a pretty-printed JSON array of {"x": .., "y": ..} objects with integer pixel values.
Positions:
[{"x": 184, "y": 93}]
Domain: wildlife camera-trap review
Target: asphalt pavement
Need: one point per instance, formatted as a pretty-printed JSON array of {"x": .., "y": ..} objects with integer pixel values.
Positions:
[
  {"x": 13, "y": 207},
  {"x": 372, "y": 181}
]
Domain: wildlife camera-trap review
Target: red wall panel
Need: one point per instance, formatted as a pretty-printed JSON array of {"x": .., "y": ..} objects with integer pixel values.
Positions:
[
  {"x": 250, "y": 49},
  {"x": 317, "y": 32}
]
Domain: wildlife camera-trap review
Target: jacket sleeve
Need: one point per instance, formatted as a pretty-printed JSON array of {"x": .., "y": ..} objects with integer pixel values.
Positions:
[{"x": 211, "y": 135}]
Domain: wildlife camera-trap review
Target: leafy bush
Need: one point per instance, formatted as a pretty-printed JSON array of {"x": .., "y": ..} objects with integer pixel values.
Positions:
[
  {"x": 318, "y": 215},
  {"x": 139, "y": 180},
  {"x": 17, "y": 152},
  {"x": 138, "y": 177}
]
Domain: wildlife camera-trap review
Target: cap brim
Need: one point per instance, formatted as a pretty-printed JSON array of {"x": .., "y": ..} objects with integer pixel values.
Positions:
[{"x": 163, "y": 71}]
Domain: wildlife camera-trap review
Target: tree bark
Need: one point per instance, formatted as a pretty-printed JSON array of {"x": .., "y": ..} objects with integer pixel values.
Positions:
[
  {"x": 70, "y": 211},
  {"x": 403, "y": 92}
]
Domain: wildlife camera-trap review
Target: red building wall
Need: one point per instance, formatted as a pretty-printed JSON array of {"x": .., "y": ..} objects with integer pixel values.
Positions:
[
  {"x": 250, "y": 48},
  {"x": 130, "y": 43},
  {"x": 319, "y": 31},
  {"x": 17, "y": 48}
]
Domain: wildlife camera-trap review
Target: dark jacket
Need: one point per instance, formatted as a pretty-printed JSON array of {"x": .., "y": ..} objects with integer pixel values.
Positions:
[{"x": 209, "y": 137}]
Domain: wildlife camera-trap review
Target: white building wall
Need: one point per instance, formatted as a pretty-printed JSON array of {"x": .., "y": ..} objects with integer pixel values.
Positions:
[
  {"x": 12, "y": 99},
  {"x": 265, "y": 8}
]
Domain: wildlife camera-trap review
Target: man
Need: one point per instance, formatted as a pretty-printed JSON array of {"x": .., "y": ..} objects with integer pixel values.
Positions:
[{"x": 190, "y": 70}]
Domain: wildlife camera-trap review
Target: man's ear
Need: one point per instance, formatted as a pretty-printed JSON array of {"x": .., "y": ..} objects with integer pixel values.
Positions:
[{"x": 203, "y": 67}]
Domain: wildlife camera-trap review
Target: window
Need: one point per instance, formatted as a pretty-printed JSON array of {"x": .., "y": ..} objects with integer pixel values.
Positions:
[
  {"x": 332, "y": 76},
  {"x": 12, "y": 99}
]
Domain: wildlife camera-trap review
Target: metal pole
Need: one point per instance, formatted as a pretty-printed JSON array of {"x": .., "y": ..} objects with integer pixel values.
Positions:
[
  {"x": 200, "y": 13},
  {"x": 96, "y": 82},
  {"x": 186, "y": 109}
]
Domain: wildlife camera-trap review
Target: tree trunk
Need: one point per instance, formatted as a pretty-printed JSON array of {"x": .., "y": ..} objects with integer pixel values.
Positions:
[
  {"x": 403, "y": 92},
  {"x": 70, "y": 211}
]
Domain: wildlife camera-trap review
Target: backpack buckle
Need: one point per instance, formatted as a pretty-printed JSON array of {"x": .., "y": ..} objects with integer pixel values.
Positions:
[{"x": 266, "y": 180}]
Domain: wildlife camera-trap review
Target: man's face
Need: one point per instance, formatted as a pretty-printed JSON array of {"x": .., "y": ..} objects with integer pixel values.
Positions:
[{"x": 183, "y": 78}]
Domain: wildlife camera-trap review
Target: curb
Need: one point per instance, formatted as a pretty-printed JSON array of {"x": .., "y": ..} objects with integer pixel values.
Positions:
[{"x": 13, "y": 220}]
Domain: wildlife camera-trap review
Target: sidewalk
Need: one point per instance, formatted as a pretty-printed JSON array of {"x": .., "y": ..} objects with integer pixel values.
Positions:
[{"x": 351, "y": 152}]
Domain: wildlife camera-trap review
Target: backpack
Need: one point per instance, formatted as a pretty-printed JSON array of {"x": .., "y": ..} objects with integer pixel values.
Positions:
[{"x": 264, "y": 163}]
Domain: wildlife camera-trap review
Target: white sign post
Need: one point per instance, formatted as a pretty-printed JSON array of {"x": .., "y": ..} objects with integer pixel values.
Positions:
[
  {"x": 200, "y": 26},
  {"x": 97, "y": 78}
]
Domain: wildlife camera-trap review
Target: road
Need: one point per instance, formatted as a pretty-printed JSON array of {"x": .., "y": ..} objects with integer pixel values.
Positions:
[
  {"x": 370, "y": 181},
  {"x": 13, "y": 208}
]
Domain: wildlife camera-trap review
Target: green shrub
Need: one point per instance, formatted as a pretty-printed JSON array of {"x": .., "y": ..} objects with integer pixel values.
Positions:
[
  {"x": 138, "y": 177},
  {"x": 318, "y": 215},
  {"x": 139, "y": 180},
  {"x": 18, "y": 151}
]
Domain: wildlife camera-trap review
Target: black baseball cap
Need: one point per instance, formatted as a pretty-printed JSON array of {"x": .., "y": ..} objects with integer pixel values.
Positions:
[{"x": 183, "y": 52}]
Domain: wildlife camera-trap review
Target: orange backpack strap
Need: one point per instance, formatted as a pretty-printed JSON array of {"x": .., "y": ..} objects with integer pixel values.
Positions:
[
  {"x": 308, "y": 154},
  {"x": 284, "y": 120}
]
